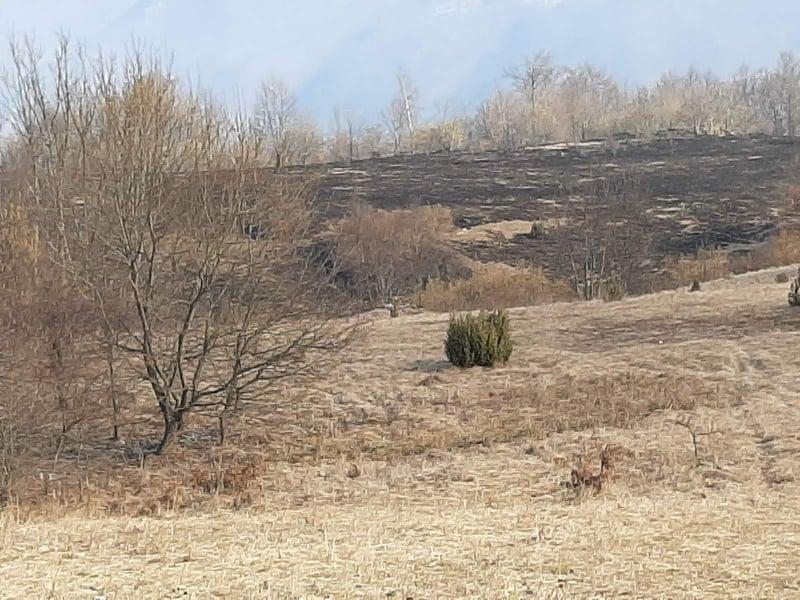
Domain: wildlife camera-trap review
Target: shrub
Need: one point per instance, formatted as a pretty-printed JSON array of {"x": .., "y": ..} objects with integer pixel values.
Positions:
[
  {"x": 793, "y": 197},
  {"x": 781, "y": 250},
  {"x": 612, "y": 290},
  {"x": 478, "y": 340},
  {"x": 781, "y": 278},
  {"x": 391, "y": 253}
]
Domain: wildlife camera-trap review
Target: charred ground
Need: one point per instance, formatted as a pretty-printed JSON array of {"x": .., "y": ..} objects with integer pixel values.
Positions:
[{"x": 683, "y": 193}]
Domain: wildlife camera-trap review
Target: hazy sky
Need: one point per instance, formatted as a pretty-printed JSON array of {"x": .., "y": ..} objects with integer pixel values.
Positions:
[{"x": 345, "y": 52}]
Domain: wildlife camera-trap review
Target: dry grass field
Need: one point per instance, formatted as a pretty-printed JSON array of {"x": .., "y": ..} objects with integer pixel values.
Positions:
[{"x": 399, "y": 477}]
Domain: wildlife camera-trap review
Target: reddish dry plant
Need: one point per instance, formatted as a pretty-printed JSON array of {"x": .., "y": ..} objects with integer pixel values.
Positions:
[{"x": 583, "y": 479}]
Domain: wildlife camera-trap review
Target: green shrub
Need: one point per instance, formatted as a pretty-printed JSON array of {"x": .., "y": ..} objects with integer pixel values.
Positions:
[{"x": 478, "y": 340}]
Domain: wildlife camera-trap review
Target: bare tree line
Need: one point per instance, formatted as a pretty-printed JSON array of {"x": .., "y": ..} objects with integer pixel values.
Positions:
[{"x": 546, "y": 102}]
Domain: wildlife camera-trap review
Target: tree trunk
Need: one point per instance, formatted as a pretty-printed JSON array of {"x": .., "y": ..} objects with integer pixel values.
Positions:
[
  {"x": 112, "y": 389},
  {"x": 172, "y": 424},
  {"x": 221, "y": 428}
]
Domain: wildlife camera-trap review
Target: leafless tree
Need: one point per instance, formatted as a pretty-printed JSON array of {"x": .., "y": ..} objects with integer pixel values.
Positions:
[
  {"x": 347, "y": 132},
  {"x": 604, "y": 248},
  {"x": 785, "y": 90},
  {"x": 142, "y": 192},
  {"x": 400, "y": 115},
  {"x": 499, "y": 121},
  {"x": 530, "y": 78},
  {"x": 291, "y": 138}
]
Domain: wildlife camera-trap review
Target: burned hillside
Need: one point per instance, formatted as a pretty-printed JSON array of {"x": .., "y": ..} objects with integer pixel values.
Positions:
[{"x": 669, "y": 196}]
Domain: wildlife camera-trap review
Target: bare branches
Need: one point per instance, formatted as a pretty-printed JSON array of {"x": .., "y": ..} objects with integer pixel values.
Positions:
[
  {"x": 143, "y": 191},
  {"x": 290, "y": 137},
  {"x": 400, "y": 116},
  {"x": 695, "y": 434},
  {"x": 537, "y": 73}
]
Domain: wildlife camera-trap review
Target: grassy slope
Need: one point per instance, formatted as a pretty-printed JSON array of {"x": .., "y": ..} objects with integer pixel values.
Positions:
[{"x": 459, "y": 492}]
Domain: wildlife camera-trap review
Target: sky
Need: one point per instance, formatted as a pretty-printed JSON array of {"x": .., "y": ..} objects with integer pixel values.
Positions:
[{"x": 346, "y": 53}]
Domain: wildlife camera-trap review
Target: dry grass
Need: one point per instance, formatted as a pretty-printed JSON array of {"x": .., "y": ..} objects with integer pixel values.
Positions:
[
  {"x": 402, "y": 477},
  {"x": 705, "y": 266},
  {"x": 494, "y": 286},
  {"x": 781, "y": 250},
  {"x": 505, "y": 230},
  {"x": 793, "y": 198}
]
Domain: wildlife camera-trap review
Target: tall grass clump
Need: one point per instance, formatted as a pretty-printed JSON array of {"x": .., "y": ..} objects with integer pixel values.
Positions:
[
  {"x": 481, "y": 340},
  {"x": 494, "y": 286}
]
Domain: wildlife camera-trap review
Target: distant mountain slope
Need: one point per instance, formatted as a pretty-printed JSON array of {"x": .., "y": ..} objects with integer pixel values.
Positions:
[{"x": 346, "y": 52}]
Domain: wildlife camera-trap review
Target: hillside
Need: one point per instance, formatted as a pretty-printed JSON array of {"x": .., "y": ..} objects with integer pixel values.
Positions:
[
  {"x": 665, "y": 197},
  {"x": 398, "y": 477}
]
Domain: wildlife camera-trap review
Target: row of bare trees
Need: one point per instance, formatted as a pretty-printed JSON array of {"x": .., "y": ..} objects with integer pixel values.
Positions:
[
  {"x": 543, "y": 102},
  {"x": 125, "y": 199},
  {"x": 548, "y": 102}
]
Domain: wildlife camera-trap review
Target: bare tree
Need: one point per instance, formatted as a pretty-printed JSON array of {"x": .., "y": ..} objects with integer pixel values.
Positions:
[
  {"x": 276, "y": 114},
  {"x": 786, "y": 89},
  {"x": 400, "y": 115},
  {"x": 407, "y": 96},
  {"x": 347, "y": 131},
  {"x": 498, "y": 121},
  {"x": 530, "y": 78},
  {"x": 450, "y": 131},
  {"x": 589, "y": 98},
  {"x": 142, "y": 214},
  {"x": 291, "y": 138},
  {"x": 603, "y": 247}
]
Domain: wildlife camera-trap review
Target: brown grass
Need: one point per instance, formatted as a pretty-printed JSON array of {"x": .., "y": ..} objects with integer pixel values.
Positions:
[
  {"x": 705, "y": 266},
  {"x": 494, "y": 286},
  {"x": 781, "y": 250},
  {"x": 505, "y": 230},
  {"x": 402, "y": 477},
  {"x": 793, "y": 197}
]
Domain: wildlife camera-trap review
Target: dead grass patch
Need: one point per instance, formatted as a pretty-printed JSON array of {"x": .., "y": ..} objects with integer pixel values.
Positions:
[
  {"x": 780, "y": 251},
  {"x": 383, "y": 428},
  {"x": 503, "y": 231},
  {"x": 531, "y": 409},
  {"x": 494, "y": 286},
  {"x": 793, "y": 198},
  {"x": 706, "y": 265},
  {"x": 349, "y": 485}
]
